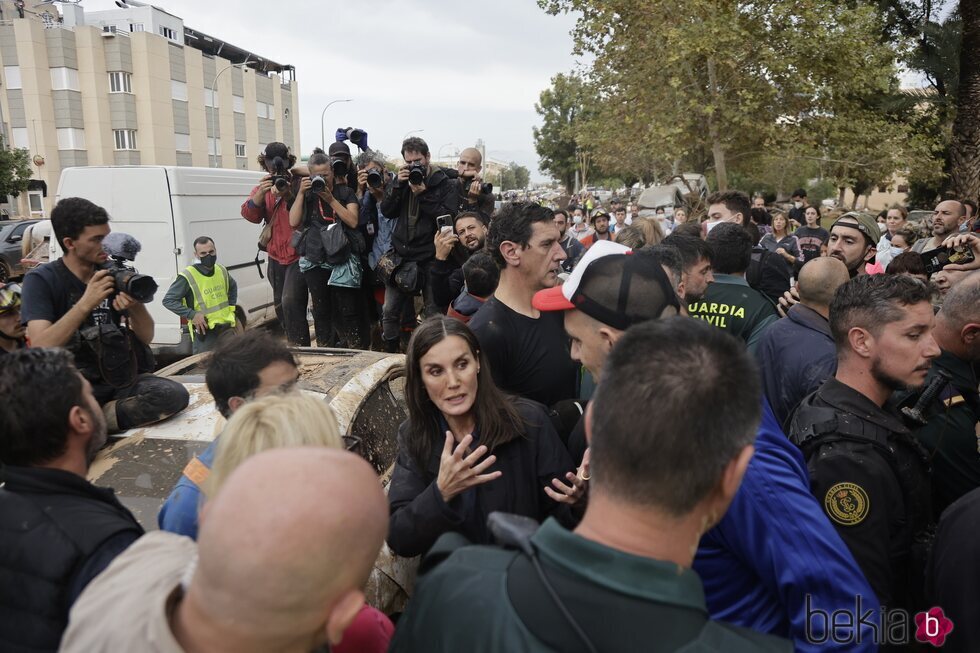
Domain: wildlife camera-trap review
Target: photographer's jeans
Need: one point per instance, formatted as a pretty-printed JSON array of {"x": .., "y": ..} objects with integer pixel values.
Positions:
[
  {"x": 149, "y": 399},
  {"x": 395, "y": 306},
  {"x": 334, "y": 311},
  {"x": 291, "y": 297}
]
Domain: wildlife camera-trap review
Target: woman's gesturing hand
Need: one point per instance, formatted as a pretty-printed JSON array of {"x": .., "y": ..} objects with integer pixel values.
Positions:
[
  {"x": 577, "y": 487},
  {"x": 459, "y": 471}
]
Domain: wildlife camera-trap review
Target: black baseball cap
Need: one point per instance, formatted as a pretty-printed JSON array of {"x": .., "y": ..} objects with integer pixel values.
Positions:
[
  {"x": 338, "y": 148},
  {"x": 614, "y": 285}
]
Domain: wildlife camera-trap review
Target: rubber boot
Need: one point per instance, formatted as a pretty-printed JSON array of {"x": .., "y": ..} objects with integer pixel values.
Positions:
[{"x": 391, "y": 346}]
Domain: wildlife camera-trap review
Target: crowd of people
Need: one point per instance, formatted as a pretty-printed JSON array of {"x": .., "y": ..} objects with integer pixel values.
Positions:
[{"x": 717, "y": 432}]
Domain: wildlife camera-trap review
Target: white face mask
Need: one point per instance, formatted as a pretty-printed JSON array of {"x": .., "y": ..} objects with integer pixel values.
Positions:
[
  {"x": 576, "y": 219},
  {"x": 895, "y": 251},
  {"x": 798, "y": 205}
]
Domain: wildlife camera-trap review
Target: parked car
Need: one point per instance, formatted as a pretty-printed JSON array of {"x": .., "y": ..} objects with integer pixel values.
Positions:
[
  {"x": 366, "y": 391},
  {"x": 11, "y": 236},
  {"x": 660, "y": 197}
]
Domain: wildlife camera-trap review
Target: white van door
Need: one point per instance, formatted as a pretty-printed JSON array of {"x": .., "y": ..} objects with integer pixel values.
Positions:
[{"x": 207, "y": 202}]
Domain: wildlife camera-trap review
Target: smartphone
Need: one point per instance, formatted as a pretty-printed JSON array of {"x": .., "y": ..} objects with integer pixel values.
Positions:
[
  {"x": 444, "y": 223},
  {"x": 936, "y": 259}
]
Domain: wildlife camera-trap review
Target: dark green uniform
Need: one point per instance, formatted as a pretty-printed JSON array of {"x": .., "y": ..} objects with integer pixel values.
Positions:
[
  {"x": 872, "y": 480},
  {"x": 731, "y": 304},
  {"x": 952, "y": 433},
  {"x": 485, "y": 598}
]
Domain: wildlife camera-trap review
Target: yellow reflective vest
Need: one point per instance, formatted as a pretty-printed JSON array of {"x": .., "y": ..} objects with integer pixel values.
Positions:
[{"x": 210, "y": 296}]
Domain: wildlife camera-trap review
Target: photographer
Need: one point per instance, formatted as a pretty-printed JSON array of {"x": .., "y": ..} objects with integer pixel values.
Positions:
[
  {"x": 343, "y": 168},
  {"x": 269, "y": 203},
  {"x": 72, "y": 303},
  {"x": 325, "y": 217},
  {"x": 414, "y": 198},
  {"x": 474, "y": 195}
]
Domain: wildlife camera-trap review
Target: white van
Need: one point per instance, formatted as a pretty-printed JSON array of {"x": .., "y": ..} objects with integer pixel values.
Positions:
[{"x": 166, "y": 208}]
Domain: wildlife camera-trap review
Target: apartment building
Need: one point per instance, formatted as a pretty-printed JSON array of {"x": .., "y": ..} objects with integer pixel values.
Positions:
[{"x": 133, "y": 86}]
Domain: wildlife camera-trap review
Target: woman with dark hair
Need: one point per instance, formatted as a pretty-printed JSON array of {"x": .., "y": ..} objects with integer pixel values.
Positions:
[{"x": 467, "y": 449}]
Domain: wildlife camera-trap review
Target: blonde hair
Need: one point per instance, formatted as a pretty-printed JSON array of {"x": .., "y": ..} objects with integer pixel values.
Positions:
[
  {"x": 653, "y": 233},
  {"x": 273, "y": 422}
]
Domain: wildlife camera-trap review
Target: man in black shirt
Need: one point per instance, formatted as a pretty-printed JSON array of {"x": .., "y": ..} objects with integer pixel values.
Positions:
[
  {"x": 527, "y": 349},
  {"x": 73, "y": 303},
  {"x": 59, "y": 530}
]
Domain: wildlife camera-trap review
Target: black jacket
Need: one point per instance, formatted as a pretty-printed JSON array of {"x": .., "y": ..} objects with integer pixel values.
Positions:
[
  {"x": 415, "y": 230},
  {"x": 872, "y": 480},
  {"x": 57, "y": 532},
  {"x": 529, "y": 462}
]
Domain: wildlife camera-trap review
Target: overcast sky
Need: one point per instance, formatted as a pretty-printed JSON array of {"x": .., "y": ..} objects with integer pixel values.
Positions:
[{"x": 459, "y": 71}]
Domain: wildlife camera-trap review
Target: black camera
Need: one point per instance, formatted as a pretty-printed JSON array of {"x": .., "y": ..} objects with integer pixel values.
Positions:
[
  {"x": 140, "y": 287},
  {"x": 355, "y": 136},
  {"x": 486, "y": 188},
  {"x": 339, "y": 167},
  {"x": 318, "y": 184},
  {"x": 279, "y": 178},
  {"x": 375, "y": 178},
  {"x": 416, "y": 174}
]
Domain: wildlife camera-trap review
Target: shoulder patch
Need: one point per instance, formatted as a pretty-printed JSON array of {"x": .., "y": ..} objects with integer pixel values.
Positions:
[{"x": 847, "y": 504}]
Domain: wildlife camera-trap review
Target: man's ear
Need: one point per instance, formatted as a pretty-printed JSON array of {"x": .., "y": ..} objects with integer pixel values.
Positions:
[
  {"x": 609, "y": 336},
  {"x": 511, "y": 252},
  {"x": 234, "y": 403},
  {"x": 342, "y": 615},
  {"x": 870, "y": 254},
  {"x": 728, "y": 484},
  {"x": 80, "y": 421},
  {"x": 67, "y": 244},
  {"x": 970, "y": 333},
  {"x": 861, "y": 341}
]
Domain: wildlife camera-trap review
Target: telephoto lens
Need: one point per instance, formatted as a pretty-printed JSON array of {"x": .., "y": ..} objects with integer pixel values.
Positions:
[
  {"x": 486, "y": 189},
  {"x": 318, "y": 184},
  {"x": 281, "y": 183},
  {"x": 339, "y": 167},
  {"x": 375, "y": 179},
  {"x": 416, "y": 174}
]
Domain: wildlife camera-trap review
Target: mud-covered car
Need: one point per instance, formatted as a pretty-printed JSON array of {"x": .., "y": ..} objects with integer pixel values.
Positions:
[{"x": 366, "y": 391}]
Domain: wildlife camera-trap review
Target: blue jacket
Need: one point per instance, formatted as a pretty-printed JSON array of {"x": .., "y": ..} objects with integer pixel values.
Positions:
[
  {"x": 796, "y": 355},
  {"x": 774, "y": 553},
  {"x": 179, "y": 512}
]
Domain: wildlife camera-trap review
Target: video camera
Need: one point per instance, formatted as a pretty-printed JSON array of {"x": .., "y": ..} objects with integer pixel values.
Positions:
[
  {"x": 279, "y": 177},
  {"x": 121, "y": 248}
]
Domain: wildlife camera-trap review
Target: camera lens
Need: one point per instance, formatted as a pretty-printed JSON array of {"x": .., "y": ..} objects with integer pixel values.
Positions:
[
  {"x": 374, "y": 179},
  {"x": 318, "y": 184},
  {"x": 416, "y": 174},
  {"x": 281, "y": 183},
  {"x": 339, "y": 168}
]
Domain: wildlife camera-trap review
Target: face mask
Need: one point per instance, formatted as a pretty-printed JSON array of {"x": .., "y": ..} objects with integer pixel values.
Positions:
[
  {"x": 576, "y": 219},
  {"x": 798, "y": 205},
  {"x": 895, "y": 251},
  {"x": 209, "y": 260}
]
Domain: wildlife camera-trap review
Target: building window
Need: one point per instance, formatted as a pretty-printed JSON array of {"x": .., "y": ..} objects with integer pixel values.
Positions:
[
  {"x": 168, "y": 33},
  {"x": 19, "y": 138},
  {"x": 238, "y": 103},
  {"x": 183, "y": 142},
  {"x": 70, "y": 138},
  {"x": 136, "y": 27},
  {"x": 12, "y": 75},
  {"x": 178, "y": 90},
  {"x": 36, "y": 201},
  {"x": 239, "y": 148},
  {"x": 210, "y": 98},
  {"x": 214, "y": 147},
  {"x": 64, "y": 79},
  {"x": 125, "y": 139},
  {"x": 264, "y": 110},
  {"x": 120, "y": 82}
]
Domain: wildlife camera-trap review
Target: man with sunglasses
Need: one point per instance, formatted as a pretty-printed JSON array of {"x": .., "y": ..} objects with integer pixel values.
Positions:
[{"x": 12, "y": 332}]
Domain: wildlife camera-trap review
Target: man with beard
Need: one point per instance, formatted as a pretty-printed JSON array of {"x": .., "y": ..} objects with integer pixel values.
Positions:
[
  {"x": 854, "y": 240},
  {"x": 946, "y": 221},
  {"x": 600, "y": 223},
  {"x": 866, "y": 469},
  {"x": 59, "y": 530},
  {"x": 572, "y": 247},
  {"x": 696, "y": 270},
  {"x": 453, "y": 248}
]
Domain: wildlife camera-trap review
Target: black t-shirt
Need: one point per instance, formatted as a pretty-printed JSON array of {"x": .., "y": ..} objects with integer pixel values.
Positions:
[
  {"x": 811, "y": 238},
  {"x": 528, "y": 357},
  {"x": 320, "y": 211},
  {"x": 50, "y": 291}
]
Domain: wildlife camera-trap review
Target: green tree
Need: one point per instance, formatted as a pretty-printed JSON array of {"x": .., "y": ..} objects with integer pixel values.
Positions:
[
  {"x": 514, "y": 177},
  {"x": 714, "y": 84},
  {"x": 15, "y": 170},
  {"x": 563, "y": 110}
]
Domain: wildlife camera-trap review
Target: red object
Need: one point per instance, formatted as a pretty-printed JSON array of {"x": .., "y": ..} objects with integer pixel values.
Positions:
[{"x": 370, "y": 632}]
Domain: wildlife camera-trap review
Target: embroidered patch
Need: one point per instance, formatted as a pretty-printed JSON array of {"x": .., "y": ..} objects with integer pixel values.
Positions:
[{"x": 847, "y": 504}]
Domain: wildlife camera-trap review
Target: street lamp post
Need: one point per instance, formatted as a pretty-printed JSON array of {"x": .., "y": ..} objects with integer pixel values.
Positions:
[
  {"x": 214, "y": 86},
  {"x": 323, "y": 138},
  {"x": 414, "y": 131}
]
